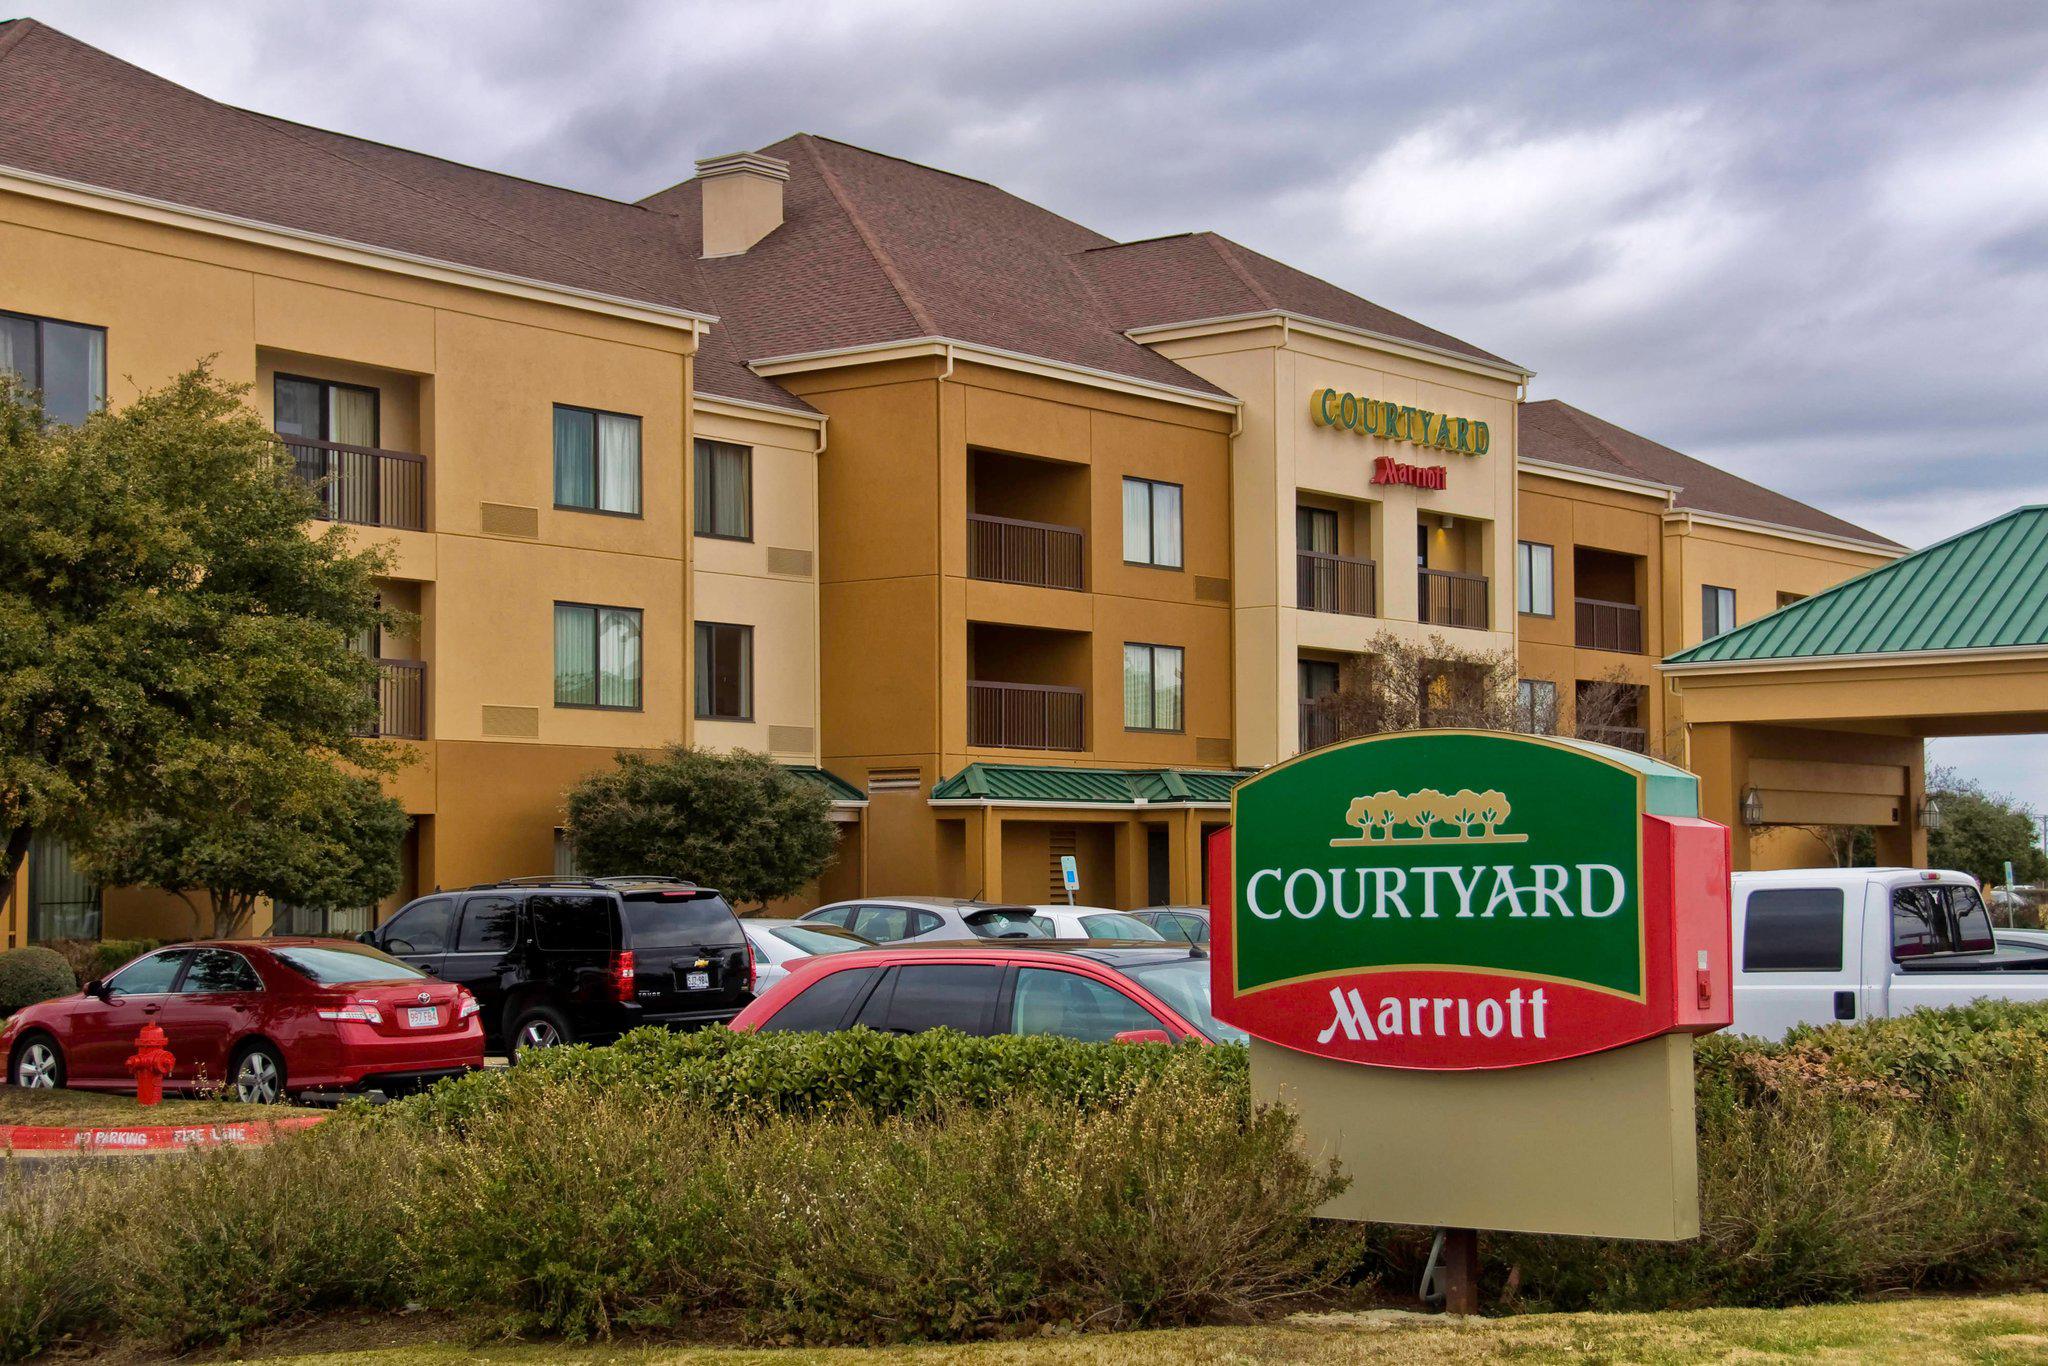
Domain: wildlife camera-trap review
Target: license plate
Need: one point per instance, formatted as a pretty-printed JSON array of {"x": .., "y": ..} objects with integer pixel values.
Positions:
[
  {"x": 421, "y": 1017},
  {"x": 697, "y": 981}
]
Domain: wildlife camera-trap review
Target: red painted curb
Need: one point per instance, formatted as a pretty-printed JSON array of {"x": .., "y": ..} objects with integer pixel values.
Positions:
[{"x": 136, "y": 1138}]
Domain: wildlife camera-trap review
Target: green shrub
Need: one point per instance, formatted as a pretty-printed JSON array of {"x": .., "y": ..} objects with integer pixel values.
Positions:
[
  {"x": 858, "y": 1071},
  {"x": 578, "y": 1215},
  {"x": 30, "y": 975},
  {"x": 216, "y": 1243},
  {"x": 52, "y": 1258}
]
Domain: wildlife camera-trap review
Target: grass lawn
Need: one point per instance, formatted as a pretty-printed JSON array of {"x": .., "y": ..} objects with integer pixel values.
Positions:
[
  {"x": 91, "y": 1107},
  {"x": 1924, "y": 1332}
]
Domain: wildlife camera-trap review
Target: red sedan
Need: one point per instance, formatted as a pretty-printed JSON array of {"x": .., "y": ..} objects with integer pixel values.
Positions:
[
  {"x": 1105, "y": 992},
  {"x": 268, "y": 1017}
]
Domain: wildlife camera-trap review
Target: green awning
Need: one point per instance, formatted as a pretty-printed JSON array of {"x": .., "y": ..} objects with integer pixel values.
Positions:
[
  {"x": 1985, "y": 589},
  {"x": 1058, "y": 785},
  {"x": 835, "y": 786}
]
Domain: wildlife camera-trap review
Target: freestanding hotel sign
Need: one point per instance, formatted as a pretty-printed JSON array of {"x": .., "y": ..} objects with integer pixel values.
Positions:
[{"x": 1474, "y": 962}]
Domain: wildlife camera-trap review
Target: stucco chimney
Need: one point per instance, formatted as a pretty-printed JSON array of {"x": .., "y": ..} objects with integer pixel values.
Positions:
[{"x": 742, "y": 200}]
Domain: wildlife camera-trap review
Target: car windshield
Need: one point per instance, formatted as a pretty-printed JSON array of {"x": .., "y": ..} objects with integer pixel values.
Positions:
[
  {"x": 1008, "y": 922},
  {"x": 340, "y": 965},
  {"x": 1183, "y": 983},
  {"x": 1115, "y": 925},
  {"x": 815, "y": 939}
]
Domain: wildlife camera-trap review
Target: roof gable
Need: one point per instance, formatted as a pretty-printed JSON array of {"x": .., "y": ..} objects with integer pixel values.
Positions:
[
  {"x": 1023, "y": 784},
  {"x": 1984, "y": 589},
  {"x": 1558, "y": 433}
]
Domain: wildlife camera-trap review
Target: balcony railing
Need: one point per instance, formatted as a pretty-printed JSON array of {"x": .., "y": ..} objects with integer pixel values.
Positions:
[
  {"x": 1445, "y": 597},
  {"x": 1023, "y": 716},
  {"x": 1334, "y": 583},
  {"x": 1006, "y": 550},
  {"x": 362, "y": 485},
  {"x": 1318, "y": 724},
  {"x": 401, "y": 692},
  {"x": 1621, "y": 737},
  {"x": 1604, "y": 625}
]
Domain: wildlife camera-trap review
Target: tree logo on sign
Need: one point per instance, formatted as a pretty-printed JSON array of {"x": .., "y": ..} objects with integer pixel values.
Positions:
[{"x": 1464, "y": 817}]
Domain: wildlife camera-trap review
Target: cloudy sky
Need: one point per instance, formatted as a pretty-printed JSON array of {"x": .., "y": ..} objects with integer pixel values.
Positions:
[{"x": 1806, "y": 241}]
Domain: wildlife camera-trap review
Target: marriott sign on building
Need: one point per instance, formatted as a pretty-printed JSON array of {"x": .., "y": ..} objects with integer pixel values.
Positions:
[{"x": 1488, "y": 904}]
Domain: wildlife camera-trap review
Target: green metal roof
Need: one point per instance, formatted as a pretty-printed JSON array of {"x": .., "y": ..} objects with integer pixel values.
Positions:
[
  {"x": 835, "y": 786},
  {"x": 1984, "y": 589},
  {"x": 1053, "y": 783}
]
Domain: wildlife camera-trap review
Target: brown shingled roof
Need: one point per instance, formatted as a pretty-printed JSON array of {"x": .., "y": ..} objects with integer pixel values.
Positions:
[
  {"x": 1199, "y": 275},
  {"x": 1560, "y": 434}
]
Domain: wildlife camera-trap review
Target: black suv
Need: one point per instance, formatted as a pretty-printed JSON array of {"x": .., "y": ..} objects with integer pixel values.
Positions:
[{"x": 567, "y": 960}]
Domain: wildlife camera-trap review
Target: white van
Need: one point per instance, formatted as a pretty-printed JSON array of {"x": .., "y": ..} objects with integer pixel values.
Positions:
[{"x": 1819, "y": 944}]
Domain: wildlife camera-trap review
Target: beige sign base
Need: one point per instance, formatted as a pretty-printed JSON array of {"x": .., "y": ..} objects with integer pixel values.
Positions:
[{"x": 1602, "y": 1145}]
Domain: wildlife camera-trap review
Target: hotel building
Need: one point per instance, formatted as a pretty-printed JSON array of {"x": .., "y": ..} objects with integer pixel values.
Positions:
[{"x": 1020, "y": 540}]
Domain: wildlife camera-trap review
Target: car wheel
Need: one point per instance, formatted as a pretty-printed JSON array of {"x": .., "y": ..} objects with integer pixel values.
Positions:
[
  {"x": 258, "y": 1075},
  {"x": 37, "y": 1065},
  {"x": 540, "y": 1027}
]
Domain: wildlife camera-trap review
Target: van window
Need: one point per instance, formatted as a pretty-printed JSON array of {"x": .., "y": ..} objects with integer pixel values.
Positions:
[
  {"x": 1793, "y": 929},
  {"x": 667, "y": 920},
  {"x": 573, "y": 924},
  {"x": 1933, "y": 917}
]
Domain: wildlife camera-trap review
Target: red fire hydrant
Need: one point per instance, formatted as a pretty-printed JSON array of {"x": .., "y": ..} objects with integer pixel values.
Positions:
[{"x": 150, "y": 1063}]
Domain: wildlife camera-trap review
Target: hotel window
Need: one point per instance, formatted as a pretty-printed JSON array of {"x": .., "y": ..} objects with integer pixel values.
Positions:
[
  {"x": 321, "y": 410},
  {"x": 725, "y": 671},
  {"x": 1534, "y": 590},
  {"x": 1717, "y": 611},
  {"x": 63, "y": 903},
  {"x": 65, "y": 362},
  {"x": 597, "y": 656},
  {"x": 1152, "y": 523},
  {"x": 1152, "y": 687},
  {"x": 1536, "y": 706},
  {"x": 1315, "y": 531},
  {"x": 725, "y": 491},
  {"x": 597, "y": 461}
]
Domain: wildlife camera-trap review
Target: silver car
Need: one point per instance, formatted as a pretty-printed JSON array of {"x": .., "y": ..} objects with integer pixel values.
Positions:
[
  {"x": 1094, "y": 922},
  {"x": 908, "y": 919},
  {"x": 778, "y": 943}
]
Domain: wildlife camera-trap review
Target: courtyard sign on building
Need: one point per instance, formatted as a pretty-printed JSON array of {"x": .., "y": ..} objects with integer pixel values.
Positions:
[
  {"x": 1503, "y": 937},
  {"x": 1364, "y": 416}
]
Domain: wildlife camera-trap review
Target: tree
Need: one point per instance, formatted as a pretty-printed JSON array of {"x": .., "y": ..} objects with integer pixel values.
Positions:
[
  {"x": 739, "y": 822},
  {"x": 256, "y": 823},
  {"x": 163, "y": 609},
  {"x": 1397, "y": 685},
  {"x": 1608, "y": 709},
  {"x": 1981, "y": 830}
]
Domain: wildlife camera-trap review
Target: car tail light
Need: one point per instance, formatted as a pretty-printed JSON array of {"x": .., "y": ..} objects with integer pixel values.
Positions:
[
  {"x": 750, "y": 967},
  {"x": 362, "y": 1011},
  {"x": 622, "y": 976},
  {"x": 466, "y": 1005}
]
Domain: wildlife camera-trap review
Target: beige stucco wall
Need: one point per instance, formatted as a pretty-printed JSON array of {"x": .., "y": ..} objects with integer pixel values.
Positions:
[{"x": 1281, "y": 457}]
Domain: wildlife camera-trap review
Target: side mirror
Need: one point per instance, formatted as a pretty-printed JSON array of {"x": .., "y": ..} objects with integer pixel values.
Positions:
[
  {"x": 96, "y": 989},
  {"x": 367, "y": 937},
  {"x": 1143, "y": 1036}
]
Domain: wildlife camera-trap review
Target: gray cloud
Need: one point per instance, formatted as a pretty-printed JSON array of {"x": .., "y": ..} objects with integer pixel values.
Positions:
[{"x": 1806, "y": 241}]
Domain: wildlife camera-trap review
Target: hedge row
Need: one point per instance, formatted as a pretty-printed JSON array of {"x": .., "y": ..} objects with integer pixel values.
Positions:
[
  {"x": 579, "y": 1212},
  {"x": 30, "y": 975}
]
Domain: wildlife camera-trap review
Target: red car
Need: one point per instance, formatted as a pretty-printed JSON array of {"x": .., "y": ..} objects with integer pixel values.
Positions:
[
  {"x": 268, "y": 1017},
  {"x": 1078, "y": 990}
]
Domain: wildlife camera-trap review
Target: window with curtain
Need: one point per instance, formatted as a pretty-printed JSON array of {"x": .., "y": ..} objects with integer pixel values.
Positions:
[
  {"x": 597, "y": 656},
  {"x": 1533, "y": 579},
  {"x": 725, "y": 671},
  {"x": 63, "y": 903},
  {"x": 325, "y": 411},
  {"x": 1717, "y": 611},
  {"x": 1152, "y": 523},
  {"x": 725, "y": 490},
  {"x": 65, "y": 362},
  {"x": 597, "y": 461},
  {"x": 1152, "y": 687},
  {"x": 1315, "y": 530},
  {"x": 1536, "y": 705}
]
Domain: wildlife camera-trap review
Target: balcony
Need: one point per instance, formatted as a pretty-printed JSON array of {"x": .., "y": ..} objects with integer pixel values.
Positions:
[
  {"x": 1335, "y": 583},
  {"x": 362, "y": 485},
  {"x": 1446, "y": 597},
  {"x": 1319, "y": 725},
  {"x": 1024, "y": 716},
  {"x": 1604, "y": 625},
  {"x": 1011, "y": 550},
  {"x": 401, "y": 692}
]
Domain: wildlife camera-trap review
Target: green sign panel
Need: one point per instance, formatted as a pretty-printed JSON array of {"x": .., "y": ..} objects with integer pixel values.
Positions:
[{"x": 1441, "y": 852}]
